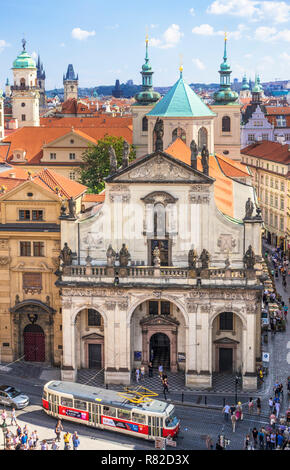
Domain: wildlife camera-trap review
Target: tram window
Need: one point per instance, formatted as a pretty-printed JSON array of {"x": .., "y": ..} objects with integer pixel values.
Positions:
[
  {"x": 109, "y": 411},
  {"x": 80, "y": 405},
  {"x": 44, "y": 396},
  {"x": 66, "y": 402},
  {"x": 124, "y": 414},
  {"x": 137, "y": 418}
]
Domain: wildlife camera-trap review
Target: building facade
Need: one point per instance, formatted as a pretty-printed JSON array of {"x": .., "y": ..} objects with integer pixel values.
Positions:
[
  {"x": 269, "y": 164},
  {"x": 70, "y": 83},
  {"x": 161, "y": 275}
]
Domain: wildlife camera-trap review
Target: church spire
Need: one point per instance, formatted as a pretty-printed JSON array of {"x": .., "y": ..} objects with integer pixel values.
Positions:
[
  {"x": 147, "y": 95},
  {"x": 225, "y": 95}
]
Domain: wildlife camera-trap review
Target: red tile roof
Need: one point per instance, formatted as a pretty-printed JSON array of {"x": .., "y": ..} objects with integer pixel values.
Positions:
[
  {"x": 52, "y": 180},
  {"x": 94, "y": 197},
  {"x": 268, "y": 150},
  {"x": 78, "y": 122}
]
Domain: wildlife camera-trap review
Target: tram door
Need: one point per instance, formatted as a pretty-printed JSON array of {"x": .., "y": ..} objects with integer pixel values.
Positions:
[
  {"x": 94, "y": 414},
  {"x": 54, "y": 402},
  {"x": 155, "y": 425}
]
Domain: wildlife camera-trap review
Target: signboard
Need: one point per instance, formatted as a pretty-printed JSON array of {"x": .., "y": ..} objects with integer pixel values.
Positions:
[
  {"x": 160, "y": 443},
  {"x": 265, "y": 357},
  {"x": 83, "y": 415},
  {"x": 181, "y": 357},
  {"x": 170, "y": 442},
  {"x": 32, "y": 281},
  {"x": 137, "y": 355}
]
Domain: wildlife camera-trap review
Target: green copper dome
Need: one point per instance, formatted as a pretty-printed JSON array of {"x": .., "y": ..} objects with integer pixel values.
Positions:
[
  {"x": 245, "y": 85},
  {"x": 147, "y": 95},
  {"x": 225, "y": 95},
  {"x": 24, "y": 61}
]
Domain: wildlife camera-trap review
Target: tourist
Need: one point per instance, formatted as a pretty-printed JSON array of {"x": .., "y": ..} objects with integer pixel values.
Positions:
[
  {"x": 226, "y": 412},
  {"x": 76, "y": 441}
]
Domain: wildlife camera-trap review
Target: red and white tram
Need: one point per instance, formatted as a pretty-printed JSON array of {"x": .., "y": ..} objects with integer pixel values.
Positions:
[{"x": 107, "y": 409}]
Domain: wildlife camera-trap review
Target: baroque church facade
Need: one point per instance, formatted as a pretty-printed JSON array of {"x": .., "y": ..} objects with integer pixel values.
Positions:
[{"x": 157, "y": 272}]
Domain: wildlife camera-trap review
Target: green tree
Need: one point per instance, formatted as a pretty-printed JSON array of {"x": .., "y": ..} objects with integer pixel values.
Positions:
[{"x": 96, "y": 162}]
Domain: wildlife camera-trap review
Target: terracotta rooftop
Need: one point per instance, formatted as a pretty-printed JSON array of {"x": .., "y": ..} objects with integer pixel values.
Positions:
[
  {"x": 94, "y": 197},
  {"x": 32, "y": 140},
  {"x": 268, "y": 150},
  {"x": 79, "y": 122}
]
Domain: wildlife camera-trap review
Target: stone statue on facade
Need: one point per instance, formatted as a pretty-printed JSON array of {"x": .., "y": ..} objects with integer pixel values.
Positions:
[
  {"x": 72, "y": 208},
  {"x": 204, "y": 258},
  {"x": 194, "y": 153},
  {"x": 159, "y": 132},
  {"x": 249, "y": 209},
  {"x": 205, "y": 160},
  {"x": 156, "y": 257},
  {"x": 124, "y": 256},
  {"x": 113, "y": 160},
  {"x": 126, "y": 151},
  {"x": 63, "y": 208},
  {"x": 249, "y": 258},
  {"x": 192, "y": 258},
  {"x": 66, "y": 255},
  {"x": 111, "y": 256}
]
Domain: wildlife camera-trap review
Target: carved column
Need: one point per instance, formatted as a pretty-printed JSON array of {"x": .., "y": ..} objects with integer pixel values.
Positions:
[{"x": 69, "y": 371}]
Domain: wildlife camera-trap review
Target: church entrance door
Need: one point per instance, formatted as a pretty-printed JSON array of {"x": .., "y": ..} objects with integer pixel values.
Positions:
[{"x": 160, "y": 350}]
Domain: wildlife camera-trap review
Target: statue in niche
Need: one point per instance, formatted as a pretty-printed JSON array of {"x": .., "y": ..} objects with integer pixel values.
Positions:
[
  {"x": 111, "y": 256},
  {"x": 204, "y": 258},
  {"x": 72, "y": 208},
  {"x": 194, "y": 153},
  {"x": 159, "y": 132},
  {"x": 249, "y": 258},
  {"x": 249, "y": 209},
  {"x": 113, "y": 160},
  {"x": 205, "y": 160},
  {"x": 124, "y": 256},
  {"x": 66, "y": 255},
  {"x": 63, "y": 208},
  {"x": 192, "y": 258},
  {"x": 156, "y": 257},
  {"x": 126, "y": 151}
]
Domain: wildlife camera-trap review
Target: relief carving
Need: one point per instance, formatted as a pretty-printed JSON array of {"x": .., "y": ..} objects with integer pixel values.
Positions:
[
  {"x": 226, "y": 242},
  {"x": 4, "y": 260}
]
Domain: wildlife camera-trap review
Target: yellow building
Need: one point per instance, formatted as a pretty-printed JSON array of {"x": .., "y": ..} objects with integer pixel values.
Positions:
[{"x": 30, "y": 314}]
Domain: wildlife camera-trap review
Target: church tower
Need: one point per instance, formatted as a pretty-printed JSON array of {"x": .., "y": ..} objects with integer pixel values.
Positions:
[
  {"x": 227, "y": 108},
  {"x": 1, "y": 115},
  {"x": 41, "y": 81},
  {"x": 70, "y": 84},
  {"x": 245, "y": 91},
  {"x": 25, "y": 92},
  {"x": 145, "y": 101}
]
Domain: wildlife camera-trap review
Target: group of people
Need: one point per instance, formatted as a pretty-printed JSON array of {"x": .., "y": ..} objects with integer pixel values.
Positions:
[
  {"x": 234, "y": 413},
  {"x": 268, "y": 438},
  {"x": 278, "y": 313},
  {"x": 280, "y": 265},
  {"x": 21, "y": 439}
]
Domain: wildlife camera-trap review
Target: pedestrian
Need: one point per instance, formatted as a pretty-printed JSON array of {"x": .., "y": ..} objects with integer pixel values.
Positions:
[
  {"x": 271, "y": 404},
  {"x": 165, "y": 386},
  {"x": 261, "y": 436},
  {"x": 150, "y": 369},
  {"x": 226, "y": 412},
  {"x": 277, "y": 408},
  {"x": 259, "y": 406},
  {"x": 247, "y": 442},
  {"x": 13, "y": 417},
  {"x": 76, "y": 441},
  {"x": 209, "y": 443},
  {"x": 142, "y": 373},
  {"x": 137, "y": 375},
  {"x": 273, "y": 420},
  {"x": 273, "y": 440},
  {"x": 18, "y": 430},
  {"x": 54, "y": 445},
  {"x": 4, "y": 417},
  {"x": 30, "y": 443},
  {"x": 261, "y": 375},
  {"x": 34, "y": 436},
  {"x": 232, "y": 409},
  {"x": 255, "y": 436},
  {"x": 44, "y": 445},
  {"x": 234, "y": 421},
  {"x": 58, "y": 429},
  {"x": 160, "y": 369},
  {"x": 67, "y": 438},
  {"x": 251, "y": 405},
  {"x": 23, "y": 440}
]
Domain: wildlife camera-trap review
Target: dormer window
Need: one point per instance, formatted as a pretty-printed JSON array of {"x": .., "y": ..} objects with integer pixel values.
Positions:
[{"x": 19, "y": 155}]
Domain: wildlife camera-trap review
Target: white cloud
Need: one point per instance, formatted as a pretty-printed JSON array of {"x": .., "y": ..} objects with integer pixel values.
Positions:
[
  {"x": 199, "y": 64},
  {"x": 153, "y": 26},
  {"x": 192, "y": 12},
  {"x": 170, "y": 38},
  {"x": 285, "y": 56},
  {"x": 3, "y": 44},
  {"x": 255, "y": 10},
  {"x": 81, "y": 34},
  {"x": 206, "y": 30},
  {"x": 34, "y": 55},
  {"x": 270, "y": 34}
]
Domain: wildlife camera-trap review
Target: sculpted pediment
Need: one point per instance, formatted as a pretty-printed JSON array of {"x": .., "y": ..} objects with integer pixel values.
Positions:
[
  {"x": 159, "y": 320},
  {"x": 159, "y": 167}
]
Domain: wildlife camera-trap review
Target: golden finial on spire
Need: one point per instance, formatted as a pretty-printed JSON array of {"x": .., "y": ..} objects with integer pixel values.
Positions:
[
  {"x": 180, "y": 63},
  {"x": 147, "y": 37},
  {"x": 226, "y": 36}
]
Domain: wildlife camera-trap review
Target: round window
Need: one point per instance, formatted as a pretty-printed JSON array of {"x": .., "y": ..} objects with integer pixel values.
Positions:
[
  {"x": 226, "y": 152},
  {"x": 22, "y": 104}
]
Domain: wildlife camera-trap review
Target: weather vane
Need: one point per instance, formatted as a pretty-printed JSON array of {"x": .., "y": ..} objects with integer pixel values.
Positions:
[{"x": 23, "y": 43}]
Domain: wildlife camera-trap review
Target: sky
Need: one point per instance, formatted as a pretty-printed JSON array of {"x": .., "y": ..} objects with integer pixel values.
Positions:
[{"x": 105, "y": 41}]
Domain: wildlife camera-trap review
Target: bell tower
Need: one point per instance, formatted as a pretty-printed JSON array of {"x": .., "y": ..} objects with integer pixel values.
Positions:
[
  {"x": 70, "y": 84},
  {"x": 25, "y": 92}
]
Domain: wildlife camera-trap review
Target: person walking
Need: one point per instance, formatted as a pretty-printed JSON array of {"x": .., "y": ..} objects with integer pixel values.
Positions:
[
  {"x": 76, "y": 441},
  {"x": 271, "y": 404},
  {"x": 261, "y": 436},
  {"x": 58, "y": 429},
  {"x": 234, "y": 421},
  {"x": 277, "y": 409},
  {"x": 209, "y": 443},
  {"x": 226, "y": 412},
  {"x": 160, "y": 370},
  {"x": 251, "y": 405},
  {"x": 150, "y": 369},
  {"x": 54, "y": 445},
  {"x": 255, "y": 436},
  {"x": 4, "y": 417},
  {"x": 67, "y": 438},
  {"x": 137, "y": 375},
  {"x": 142, "y": 370},
  {"x": 34, "y": 436},
  {"x": 44, "y": 445},
  {"x": 13, "y": 417},
  {"x": 165, "y": 386}
]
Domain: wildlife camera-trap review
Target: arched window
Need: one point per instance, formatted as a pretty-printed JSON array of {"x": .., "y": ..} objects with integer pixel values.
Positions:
[
  {"x": 22, "y": 82},
  {"x": 145, "y": 124},
  {"x": 202, "y": 138},
  {"x": 226, "y": 124},
  {"x": 226, "y": 321},
  {"x": 94, "y": 318},
  {"x": 179, "y": 132},
  {"x": 159, "y": 220}
]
